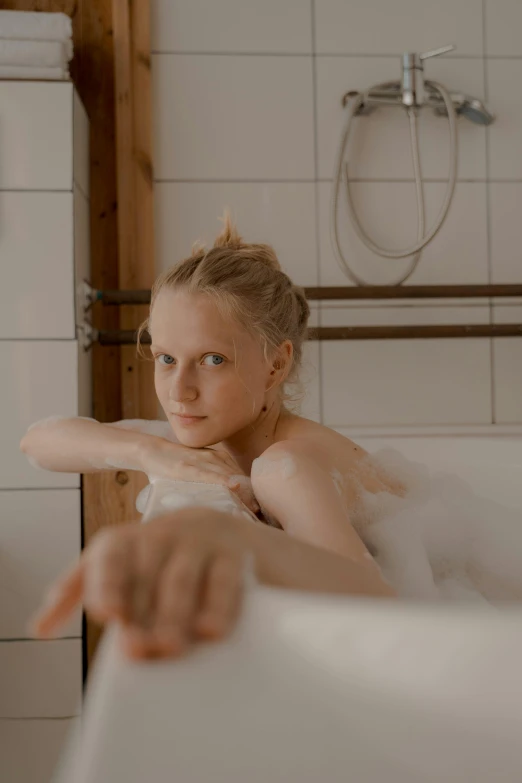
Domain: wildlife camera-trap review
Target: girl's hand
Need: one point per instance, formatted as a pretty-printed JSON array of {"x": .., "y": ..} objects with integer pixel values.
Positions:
[
  {"x": 178, "y": 578},
  {"x": 165, "y": 459}
]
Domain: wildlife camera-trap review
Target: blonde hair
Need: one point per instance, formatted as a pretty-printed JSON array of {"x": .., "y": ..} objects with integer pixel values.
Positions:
[{"x": 248, "y": 284}]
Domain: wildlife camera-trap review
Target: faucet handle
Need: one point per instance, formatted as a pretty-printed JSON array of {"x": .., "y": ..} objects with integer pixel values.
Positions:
[{"x": 437, "y": 52}]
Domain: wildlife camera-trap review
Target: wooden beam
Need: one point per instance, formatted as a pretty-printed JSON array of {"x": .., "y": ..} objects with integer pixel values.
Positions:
[{"x": 135, "y": 205}]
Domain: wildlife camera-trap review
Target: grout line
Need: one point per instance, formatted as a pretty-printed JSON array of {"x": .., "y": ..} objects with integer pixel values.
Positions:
[
  {"x": 38, "y": 339},
  {"x": 305, "y": 181},
  {"x": 316, "y": 205},
  {"x": 236, "y": 181},
  {"x": 346, "y": 55},
  {"x": 488, "y": 220},
  {"x": 37, "y": 489},
  {"x": 41, "y": 718},
  {"x": 40, "y": 190},
  {"x": 33, "y": 639},
  {"x": 179, "y": 53}
]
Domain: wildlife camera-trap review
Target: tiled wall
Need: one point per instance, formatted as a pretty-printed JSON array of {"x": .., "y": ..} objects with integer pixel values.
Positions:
[
  {"x": 44, "y": 252},
  {"x": 247, "y": 114}
]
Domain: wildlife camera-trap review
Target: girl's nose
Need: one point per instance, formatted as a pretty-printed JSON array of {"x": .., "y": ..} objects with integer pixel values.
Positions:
[{"x": 182, "y": 390}]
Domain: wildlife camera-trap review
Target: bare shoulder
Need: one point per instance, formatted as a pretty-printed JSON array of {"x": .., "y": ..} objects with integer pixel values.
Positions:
[
  {"x": 340, "y": 457},
  {"x": 319, "y": 443}
]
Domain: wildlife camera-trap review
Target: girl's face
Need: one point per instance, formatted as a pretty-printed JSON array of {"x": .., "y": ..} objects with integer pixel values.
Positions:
[{"x": 210, "y": 374}]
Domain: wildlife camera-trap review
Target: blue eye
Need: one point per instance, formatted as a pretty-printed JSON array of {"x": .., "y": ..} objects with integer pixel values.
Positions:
[
  {"x": 213, "y": 357},
  {"x": 168, "y": 364}
]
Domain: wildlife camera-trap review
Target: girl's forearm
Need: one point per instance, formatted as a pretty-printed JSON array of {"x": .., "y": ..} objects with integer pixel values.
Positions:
[
  {"x": 79, "y": 445},
  {"x": 284, "y": 561}
]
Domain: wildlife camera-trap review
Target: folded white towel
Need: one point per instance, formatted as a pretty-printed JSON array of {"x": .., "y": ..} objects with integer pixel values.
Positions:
[
  {"x": 35, "y": 25},
  {"x": 27, "y": 72},
  {"x": 40, "y": 54}
]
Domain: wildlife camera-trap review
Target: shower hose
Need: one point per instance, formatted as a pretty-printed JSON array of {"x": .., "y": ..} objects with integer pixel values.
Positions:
[{"x": 422, "y": 239}]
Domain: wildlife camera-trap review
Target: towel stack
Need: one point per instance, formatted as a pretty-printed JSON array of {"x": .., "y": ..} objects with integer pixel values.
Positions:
[{"x": 35, "y": 45}]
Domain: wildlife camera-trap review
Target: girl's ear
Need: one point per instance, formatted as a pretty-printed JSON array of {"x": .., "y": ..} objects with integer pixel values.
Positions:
[{"x": 282, "y": 361}]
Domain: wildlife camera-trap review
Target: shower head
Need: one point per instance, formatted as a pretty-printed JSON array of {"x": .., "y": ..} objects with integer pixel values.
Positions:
[
  {"x": 468, "y": 107},
  {"x": 475, "y": 111}
]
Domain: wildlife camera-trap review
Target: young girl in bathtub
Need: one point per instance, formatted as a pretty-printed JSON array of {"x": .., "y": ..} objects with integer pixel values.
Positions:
[{"x": 227, "y": 328}]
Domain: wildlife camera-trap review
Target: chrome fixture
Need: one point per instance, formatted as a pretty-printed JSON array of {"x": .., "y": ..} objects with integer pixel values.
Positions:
[
  {"x": 412, "y": 93},
  {"x": 414, "y": 90}
]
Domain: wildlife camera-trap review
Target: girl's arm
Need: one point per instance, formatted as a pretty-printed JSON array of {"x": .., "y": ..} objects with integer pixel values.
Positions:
[
  {"x": 284, "y": 561},
  {"x": 81, "y": 445},
  {"x": 297, "y": 491},
  {"x": 198, "y": 588}
]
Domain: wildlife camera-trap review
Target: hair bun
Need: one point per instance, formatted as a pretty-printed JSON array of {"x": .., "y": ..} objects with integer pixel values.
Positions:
[{"x": 230, "y": 239}]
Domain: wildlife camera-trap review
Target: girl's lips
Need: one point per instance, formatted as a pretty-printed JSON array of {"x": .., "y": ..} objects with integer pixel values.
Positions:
[{"x": 183, "y": 419}]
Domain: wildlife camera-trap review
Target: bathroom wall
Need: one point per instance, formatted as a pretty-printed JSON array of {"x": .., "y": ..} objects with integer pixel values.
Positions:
[
  {"x": 247, "y": 113},
  {"x": 44, "y": 253}
]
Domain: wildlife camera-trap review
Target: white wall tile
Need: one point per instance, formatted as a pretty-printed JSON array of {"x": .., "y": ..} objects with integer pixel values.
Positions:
[
  {"x": 39, "y": 379},
  {"x": 380, "y": 146},
  {"x": 231, "y": 26},
  {"x": 503, "y": 26},
  {"x": 388, "y": 213},
  {"x": 505, "y": 199},
  {"x": 41, "y": 679},
  {"x": 36, "y": 252},
  {"x": 507, "y": 313},
  {"x": 310, "y": 378},
  {"x": 387, "y": 382},
  {"x": 280, "y": 214},
  {"x": 81, "y": 171},
  {"x": 507, "y": 368},
  {"x": 36, "y": 152},
  {"x": 384, "y": 27},
  {"x": 39, "y": 539},
  {"x": 505, "y": 134},
  {"x": 310, "y": 375},
  {"x": 29, "y": 750},
  {"x": 233, "y": 118}
]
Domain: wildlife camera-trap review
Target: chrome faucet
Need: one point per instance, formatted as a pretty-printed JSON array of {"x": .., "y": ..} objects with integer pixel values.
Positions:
[
  {"x": 414, "y": 91},
  {"x": 412, "y": 81}
]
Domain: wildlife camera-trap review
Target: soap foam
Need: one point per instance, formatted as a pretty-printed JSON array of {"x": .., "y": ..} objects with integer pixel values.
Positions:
[
  {"x": 164, "y": 494},
  {"x": 439, "y": 540},
  {"x": 282, "y": 466}
]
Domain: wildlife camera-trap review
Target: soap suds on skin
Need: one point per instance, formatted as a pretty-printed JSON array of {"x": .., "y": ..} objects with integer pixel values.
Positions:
[
  {"x": 282, "y": 466},
  {"x": 164, "y": 494},
  {"x": 338, "y": 481},
  {"x": 50, "y": 420}
]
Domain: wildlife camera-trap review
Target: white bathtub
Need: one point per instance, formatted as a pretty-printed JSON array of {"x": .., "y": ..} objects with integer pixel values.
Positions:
[{"x": 313, "y": 688}]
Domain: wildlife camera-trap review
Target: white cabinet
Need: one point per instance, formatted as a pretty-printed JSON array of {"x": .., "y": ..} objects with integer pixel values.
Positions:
[
  {"x": 44, "y": 257},
  {"x": 40, "y": 535},
  {"x": 36, "y": 152}
]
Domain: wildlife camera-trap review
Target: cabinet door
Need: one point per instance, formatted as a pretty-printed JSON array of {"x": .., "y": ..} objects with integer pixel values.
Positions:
[
  {"x": 39, "y": 380},
  {"x": 41, "y": 679},
  {"x": 30, "y": 749},
  {"x": 39, "y": 539},
  {"x": 36, "y": 257},
  {"x": 36, "y": 135}
]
